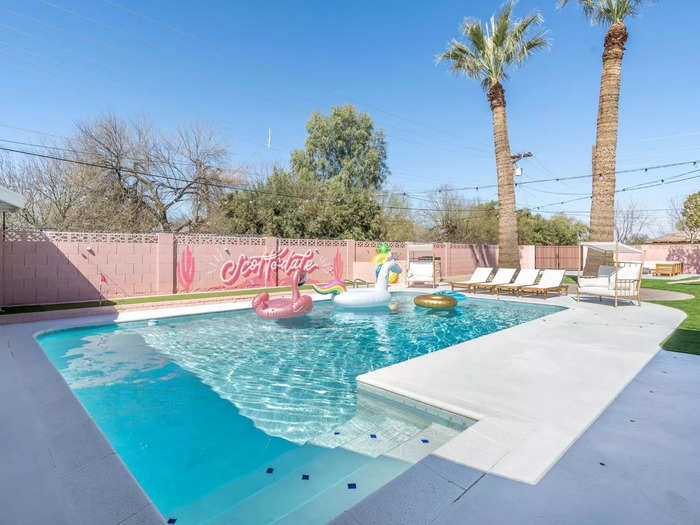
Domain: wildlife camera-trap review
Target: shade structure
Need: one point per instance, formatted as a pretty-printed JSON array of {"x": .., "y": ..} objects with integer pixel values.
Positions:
[
  {"x": 609, "y": 274},
  {"x": 611, "y": 247},
  {"x": 10, "y": 200}
]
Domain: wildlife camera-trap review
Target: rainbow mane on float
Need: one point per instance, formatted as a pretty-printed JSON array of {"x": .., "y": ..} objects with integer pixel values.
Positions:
[
  {"x": 335, "y": 286},
  {"x": 383, "y": 255}
]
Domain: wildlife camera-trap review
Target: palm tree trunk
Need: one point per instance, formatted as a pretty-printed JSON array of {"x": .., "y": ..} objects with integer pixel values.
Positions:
[
  {"x": 508, "y": 255},
  {"x": 603, "y": 201}
]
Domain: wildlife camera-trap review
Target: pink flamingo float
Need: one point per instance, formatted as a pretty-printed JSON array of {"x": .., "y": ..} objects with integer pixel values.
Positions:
[{"x": 284, "y": 308}]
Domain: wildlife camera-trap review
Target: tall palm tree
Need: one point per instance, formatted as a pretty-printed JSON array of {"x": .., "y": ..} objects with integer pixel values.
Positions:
[
  {"x": 612, "y": 13},
  {"x": 486, "y": 56}
]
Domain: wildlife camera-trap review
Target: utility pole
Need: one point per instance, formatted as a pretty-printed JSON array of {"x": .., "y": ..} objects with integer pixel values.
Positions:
[{"x": 515, "y": 157}]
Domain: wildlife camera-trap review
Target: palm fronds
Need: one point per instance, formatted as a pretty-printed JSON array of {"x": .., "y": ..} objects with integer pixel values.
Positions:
[
  {"x": 607, "y": 11},
  {"x": 492, "y": 47}
]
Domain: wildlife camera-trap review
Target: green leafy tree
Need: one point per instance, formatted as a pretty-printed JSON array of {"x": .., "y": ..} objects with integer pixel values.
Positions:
[
  {"x": 690, "y": 217},
  {"x": 487, "y": 55},
  {"x": 288, "y": 205},
  {"x": 613, "y": 14},
  {"x": 345, "y": 146},
  {"x": 558, "y": 230}
]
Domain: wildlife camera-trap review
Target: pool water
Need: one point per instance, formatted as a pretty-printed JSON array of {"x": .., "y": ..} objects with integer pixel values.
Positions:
[{"x": 226, "y": 418}]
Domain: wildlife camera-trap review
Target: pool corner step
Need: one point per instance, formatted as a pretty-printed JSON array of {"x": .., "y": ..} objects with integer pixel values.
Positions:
[
  {"x": 232, "y": 493},
  {"x": 294, "y": 488}
]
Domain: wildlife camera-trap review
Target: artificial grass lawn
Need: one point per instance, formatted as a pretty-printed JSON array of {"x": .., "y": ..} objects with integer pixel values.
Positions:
[
  {"x": 686, "y": 338},
  {"x": 138, "y": 300}
]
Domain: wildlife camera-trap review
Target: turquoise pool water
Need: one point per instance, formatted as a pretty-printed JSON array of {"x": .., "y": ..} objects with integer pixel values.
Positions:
[{"x": 216, "y": 414}]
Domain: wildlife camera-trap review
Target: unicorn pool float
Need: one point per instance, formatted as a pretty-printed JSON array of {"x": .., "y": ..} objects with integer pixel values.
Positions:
[
  {"x": 387, "y": 271},
  {"x": 284, "y": 308}
]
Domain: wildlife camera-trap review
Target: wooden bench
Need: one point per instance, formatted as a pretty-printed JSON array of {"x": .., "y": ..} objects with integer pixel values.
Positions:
[{"x": 668, "y": 268}]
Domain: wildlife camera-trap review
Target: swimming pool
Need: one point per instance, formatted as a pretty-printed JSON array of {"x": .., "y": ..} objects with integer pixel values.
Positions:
[{"x": 225, "y": 418}]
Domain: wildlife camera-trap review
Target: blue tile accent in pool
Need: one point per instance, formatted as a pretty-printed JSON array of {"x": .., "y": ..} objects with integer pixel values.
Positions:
[
  {"x": 270, "y": 470},
  {"x": 304, "y": 476},
  {"x": 352, "y": 485}
]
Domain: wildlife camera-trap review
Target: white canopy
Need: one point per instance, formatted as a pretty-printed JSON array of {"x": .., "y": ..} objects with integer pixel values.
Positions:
[
  {"x": 10, "y": 200},
  {"x": 611, "y": 247}
]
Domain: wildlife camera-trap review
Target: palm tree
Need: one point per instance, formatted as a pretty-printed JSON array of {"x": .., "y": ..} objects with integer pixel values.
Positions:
[
  {"x": 489, "y": 52},
  {"x": 612, "y": 13}
]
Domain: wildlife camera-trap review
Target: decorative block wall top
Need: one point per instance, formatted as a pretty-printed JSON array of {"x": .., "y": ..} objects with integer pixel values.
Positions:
[
  {"x": 208, "y": 238},
  {"x": 373, "y": 244},
  {"x": 313, "y": 242},
  {"x": 79, "y": 237}
]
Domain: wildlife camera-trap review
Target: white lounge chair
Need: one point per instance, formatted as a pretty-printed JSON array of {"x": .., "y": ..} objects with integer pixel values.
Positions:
[
  {"x": 503, "y": 276},
  {"x": 480, "y": 275},
  {"x": 524, "y": 278},
  {"x": 550, "y": 282},
  {"x": 623, "y": 283}
]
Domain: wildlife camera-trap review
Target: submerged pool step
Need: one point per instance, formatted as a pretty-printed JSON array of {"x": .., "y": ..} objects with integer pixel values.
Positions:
[
  {"x": 327, "y": 504},
  {"x": 232, "y": 493},
  {"x": 330, "y": 476},
  {"x": 289, "y": 491},
  {"x": 336, "y": 498}
]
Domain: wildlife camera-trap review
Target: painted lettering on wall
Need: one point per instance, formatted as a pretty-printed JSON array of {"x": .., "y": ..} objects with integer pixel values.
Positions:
[{"x": 264, "y": 266}]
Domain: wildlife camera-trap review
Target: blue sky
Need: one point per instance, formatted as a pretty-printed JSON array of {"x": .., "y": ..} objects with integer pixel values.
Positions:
[{"x": 244, "y": 67}]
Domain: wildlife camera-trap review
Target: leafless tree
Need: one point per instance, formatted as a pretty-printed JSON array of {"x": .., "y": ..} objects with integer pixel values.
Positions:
[
  {"x": 159, "y": 171},
  {"x": 631, "y": 224},
  {"x": 123, "y": 176}
]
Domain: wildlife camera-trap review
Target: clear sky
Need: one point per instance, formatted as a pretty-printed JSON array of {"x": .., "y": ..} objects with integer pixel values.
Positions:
[{"x": 245, "y": 67}]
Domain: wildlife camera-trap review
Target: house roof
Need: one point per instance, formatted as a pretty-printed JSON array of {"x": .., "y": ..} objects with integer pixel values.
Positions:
[
  {"x": 671, "y": 238},
  {"x": 10, "y": 200}
]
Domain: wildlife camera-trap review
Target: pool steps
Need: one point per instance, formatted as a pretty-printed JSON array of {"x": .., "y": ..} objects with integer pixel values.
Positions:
[{"x": 283, "y": 494}]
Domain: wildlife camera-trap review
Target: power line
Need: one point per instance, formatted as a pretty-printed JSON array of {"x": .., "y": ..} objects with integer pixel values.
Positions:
[
  {"x": 559, "y": 179},
  {"x": 190, "y": 73},
  {"x": 446, "y": 135},
  {"x": 643, "y": 186},
  {"x": 681, "y": 177}
]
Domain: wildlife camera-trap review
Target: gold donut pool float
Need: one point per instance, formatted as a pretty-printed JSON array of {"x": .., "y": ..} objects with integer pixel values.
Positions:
[{"x": 435, "y": 301}]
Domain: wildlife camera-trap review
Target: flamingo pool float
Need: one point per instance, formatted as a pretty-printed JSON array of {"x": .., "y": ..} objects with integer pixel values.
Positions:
[
  {"x": 368, "y": 297},
  {"x": 284, "y": 308}
]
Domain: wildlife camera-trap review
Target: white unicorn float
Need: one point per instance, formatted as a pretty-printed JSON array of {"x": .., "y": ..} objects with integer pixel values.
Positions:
[{"x": 369, "y": 297}]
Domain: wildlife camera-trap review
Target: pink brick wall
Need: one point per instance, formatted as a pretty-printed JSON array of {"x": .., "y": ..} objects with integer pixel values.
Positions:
[
  {"x": 66, "y": 266},
  {"x": 688, "y": 254},
  {"x": 52, "y": 267}
]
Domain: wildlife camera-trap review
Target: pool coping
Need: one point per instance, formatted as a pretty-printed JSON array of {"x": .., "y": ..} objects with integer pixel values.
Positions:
[{"x": 71, "y": 459}]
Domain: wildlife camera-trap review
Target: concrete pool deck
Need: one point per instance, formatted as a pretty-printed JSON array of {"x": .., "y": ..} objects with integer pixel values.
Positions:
[
  {"x": 636, "y": 464},
  {"x": 534, "y": 388}
]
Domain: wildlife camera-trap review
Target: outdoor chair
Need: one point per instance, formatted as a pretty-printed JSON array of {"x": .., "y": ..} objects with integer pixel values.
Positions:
[
  {"x": 624, "y": 282},
  {"x": 551, "y": 281},
  {"x": 480, "y": 275},
  {"x": 503, "y": 276},
  {"x": 524, "y": 278}
]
